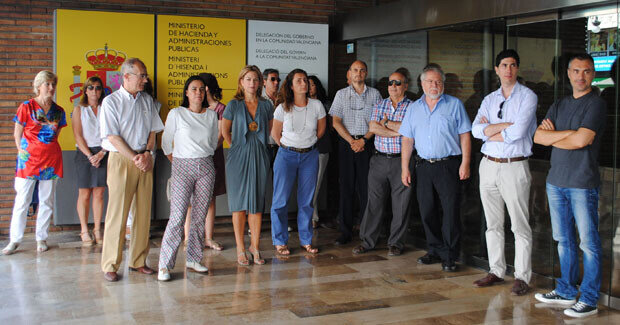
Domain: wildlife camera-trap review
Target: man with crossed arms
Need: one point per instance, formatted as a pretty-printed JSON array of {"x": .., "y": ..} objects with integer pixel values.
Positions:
[{"x": 506, "y": 122}]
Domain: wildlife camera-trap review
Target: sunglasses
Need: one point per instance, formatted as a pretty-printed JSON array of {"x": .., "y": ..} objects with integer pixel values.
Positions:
[
  {"x": 499, "y": 113},
  {"x": 91, "y": 87},
  {"x": 274, "y": 79},
  {"x": 395, "y": 82}
]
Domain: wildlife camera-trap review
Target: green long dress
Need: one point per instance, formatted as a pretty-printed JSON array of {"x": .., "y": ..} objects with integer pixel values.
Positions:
[{"x": 247, "y": 164}]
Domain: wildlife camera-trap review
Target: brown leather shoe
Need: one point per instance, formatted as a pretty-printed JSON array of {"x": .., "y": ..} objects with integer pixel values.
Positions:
[
  {"x": 519, "y": 288},
  {"x": 488, "y": 280},
  {"x": 110, "y": 276},
  {"x": 143, "y": 269}
]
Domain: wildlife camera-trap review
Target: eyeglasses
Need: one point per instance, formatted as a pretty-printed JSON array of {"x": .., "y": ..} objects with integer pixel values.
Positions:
[
  {"x": 394, "y": 82},
  {"x": 91, "y": 87},
  {"x": 141, "y": 76},
  {"x": 274, "y": 79},
  {"x": 499, "y": 113}
]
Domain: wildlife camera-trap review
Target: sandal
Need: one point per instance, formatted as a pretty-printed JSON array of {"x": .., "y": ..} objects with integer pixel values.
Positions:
[
  {"x": 244, "y": 261},
  {"x": 310, "y": 249},
  {"x": 98, "y": 237},
  {"x": 282, "y": 250},
  {"x": 210, "y": 243},
  {"x": 256, "y": 255},
  {"x": 88, "y": 241}
]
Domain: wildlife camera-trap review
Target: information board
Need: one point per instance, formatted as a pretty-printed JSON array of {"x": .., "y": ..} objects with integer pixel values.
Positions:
[
  {"x": 286, "y": 46},
  {"x": 188, "y": 46}
]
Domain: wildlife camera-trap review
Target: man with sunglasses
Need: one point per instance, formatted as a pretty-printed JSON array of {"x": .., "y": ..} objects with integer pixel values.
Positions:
[
  {"x": 574, "y": 127},
  {"x": 351, "y": 111},
  {"x": 128, "y": 122},
  {"x": 384, "y": 173},
  {"x": 271, "y": 83},
  {"x": 506, "y": 122},
  {"x": 440, "y": 127}
]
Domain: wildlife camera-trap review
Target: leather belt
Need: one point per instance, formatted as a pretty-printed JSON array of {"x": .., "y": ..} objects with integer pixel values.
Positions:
[
  {"x": 434, "y": 160},
  {"x": 299, "y": 150},
  {"x": 357, "y": 137},
  {"x": 388, "y": 155},
  {"x": 504, "y": 160}
]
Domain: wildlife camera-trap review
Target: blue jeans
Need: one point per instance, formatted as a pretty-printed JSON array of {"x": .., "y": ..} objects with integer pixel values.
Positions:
[
  {"x": 570, "y": 206},
  {"x": 288, "y": 166}
]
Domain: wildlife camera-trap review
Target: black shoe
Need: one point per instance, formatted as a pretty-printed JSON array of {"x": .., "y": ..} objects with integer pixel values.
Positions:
[
  {"x": 360, "y": 250},
  {"x": 327, "y": 225},
  {"x": 342, "y": 241},
  {"x": 394, "y": 251},
  {"x": 429, "y": 259},
  {"x": 448, "y": 266}
]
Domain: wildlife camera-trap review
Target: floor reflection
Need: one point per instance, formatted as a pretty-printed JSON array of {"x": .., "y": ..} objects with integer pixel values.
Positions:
[{"x": 65, "y": 285}]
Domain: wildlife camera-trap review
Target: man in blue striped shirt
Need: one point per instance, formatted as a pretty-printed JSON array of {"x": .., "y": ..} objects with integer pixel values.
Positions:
[{"x": 506, "y": 122}]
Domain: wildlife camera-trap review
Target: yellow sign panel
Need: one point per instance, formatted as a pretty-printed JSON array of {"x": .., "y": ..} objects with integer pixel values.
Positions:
[
  {"x": 90, "y": 43},
  {"x": 188, "y": 46}
]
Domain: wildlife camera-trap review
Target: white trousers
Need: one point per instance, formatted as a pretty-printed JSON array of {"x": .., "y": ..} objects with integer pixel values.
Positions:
[
  {"x": 24, "y": 188},
  {"x": 323, "y": 159},
  {"x": 509, "y": 184}
]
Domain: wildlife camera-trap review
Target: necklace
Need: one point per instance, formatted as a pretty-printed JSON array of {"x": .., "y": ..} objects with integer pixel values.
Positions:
[{"x": 293, "y": 119}]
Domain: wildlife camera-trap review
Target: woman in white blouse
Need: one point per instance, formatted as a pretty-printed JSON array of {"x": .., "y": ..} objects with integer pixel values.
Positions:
[
  {"x": 189, "y": 141},
  {"x": 297, "y": 124},
  {"x": 90, "y": 158}
]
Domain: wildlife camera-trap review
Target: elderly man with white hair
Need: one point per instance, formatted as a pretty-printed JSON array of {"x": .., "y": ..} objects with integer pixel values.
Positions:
[
  {"x": 439, "y": 127},
  {"x": 128, "y": 121}
]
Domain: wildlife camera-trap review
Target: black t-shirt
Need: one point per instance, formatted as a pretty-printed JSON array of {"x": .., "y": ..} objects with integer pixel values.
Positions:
[{"x": 577, "y": 168}]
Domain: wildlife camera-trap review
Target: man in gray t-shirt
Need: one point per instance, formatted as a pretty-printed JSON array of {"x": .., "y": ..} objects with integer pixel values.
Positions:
[{"x": 573, "y": 127}]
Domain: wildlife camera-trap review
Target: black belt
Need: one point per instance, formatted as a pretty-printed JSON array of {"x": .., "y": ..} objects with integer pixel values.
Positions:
[
  {"x": 300, "y": 150},
  {"x": 434, "y": 160},
  {"x": 388, "y": 155},
  {"x": 357, "y": 137},
  {"x": 504, "y": 160}
]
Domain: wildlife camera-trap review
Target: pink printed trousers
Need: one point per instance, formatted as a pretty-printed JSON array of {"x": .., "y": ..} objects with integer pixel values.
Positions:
[{"x": 192, "y": 181}]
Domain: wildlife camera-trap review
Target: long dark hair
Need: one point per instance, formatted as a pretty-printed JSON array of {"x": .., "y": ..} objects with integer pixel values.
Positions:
[
  {"x": 285, "y": 95},
  {"x": 212, "y": 86},
  {"x": 321, "y": 94},
  {"x": 185, "y": 102}
]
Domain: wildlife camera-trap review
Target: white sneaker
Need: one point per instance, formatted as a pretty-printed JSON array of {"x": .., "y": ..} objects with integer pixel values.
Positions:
[
  {"x": 42, "y": 246},
  {"x": 197, "y": 267},
  {"x": 10, "y": 248},
  {"x": 580, "y": 309},
  {"x": 163, "y": 275},
  {"x": 554, "y": 298}
]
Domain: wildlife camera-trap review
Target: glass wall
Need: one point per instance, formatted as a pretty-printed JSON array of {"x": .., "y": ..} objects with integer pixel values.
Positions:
[{"x": 466, "y": 53}]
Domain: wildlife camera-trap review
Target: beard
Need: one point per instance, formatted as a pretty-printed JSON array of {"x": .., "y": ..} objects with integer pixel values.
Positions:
[{"x": 434, "y": 96}]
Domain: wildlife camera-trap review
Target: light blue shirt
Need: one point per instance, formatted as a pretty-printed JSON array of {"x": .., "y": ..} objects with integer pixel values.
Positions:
[
  {"x": 520, "y": 109},
  {"x": 436, "y": 133}
]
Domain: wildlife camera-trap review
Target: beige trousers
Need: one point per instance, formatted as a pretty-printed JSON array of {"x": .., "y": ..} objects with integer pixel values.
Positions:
[
  {"x": 509, "y": 184},
  {"x": 125, "y": 180}
]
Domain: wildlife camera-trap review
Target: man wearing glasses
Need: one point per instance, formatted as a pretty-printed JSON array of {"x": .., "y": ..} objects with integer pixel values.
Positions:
[
  {"x": 128, "y": 122},
  {"x": 384, "y": 173},
  {"x": 351, "y": 111},
  {"x": 573, "y": 128},
  {"x": 506, "y": 122},
  {"x": 441, "y": 129}
]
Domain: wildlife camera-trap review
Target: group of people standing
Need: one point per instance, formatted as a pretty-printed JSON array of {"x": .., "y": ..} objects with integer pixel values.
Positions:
[{"x": 282, "y": 128}]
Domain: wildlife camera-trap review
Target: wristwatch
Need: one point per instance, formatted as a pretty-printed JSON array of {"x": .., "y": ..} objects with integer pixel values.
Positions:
[{"x": 385, "y": 123}]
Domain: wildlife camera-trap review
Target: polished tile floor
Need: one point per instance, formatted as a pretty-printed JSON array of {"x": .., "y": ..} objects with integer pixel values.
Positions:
[{"x": 65, "y": 285}]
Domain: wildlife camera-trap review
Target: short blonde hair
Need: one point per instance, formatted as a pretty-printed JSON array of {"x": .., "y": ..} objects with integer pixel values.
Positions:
[
  {"x": 240, "y": 94},
  {"x": 42, "y": 77}
]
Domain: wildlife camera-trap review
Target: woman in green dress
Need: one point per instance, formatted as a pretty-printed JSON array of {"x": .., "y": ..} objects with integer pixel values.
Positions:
[{"x": 246, "y": 125}]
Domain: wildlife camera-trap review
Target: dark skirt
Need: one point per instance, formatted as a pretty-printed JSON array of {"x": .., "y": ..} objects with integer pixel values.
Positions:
[
  {"x": 87, "y": 175},
  {"x": 220, "y": 172}
]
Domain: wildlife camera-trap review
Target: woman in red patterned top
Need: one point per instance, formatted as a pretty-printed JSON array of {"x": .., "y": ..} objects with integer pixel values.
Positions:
[{"x": 37, "y": 124}]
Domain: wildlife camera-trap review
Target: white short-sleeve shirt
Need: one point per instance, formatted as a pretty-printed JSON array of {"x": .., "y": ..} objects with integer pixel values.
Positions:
[
  {"x": 133, "y": 119},
  {"x": 300, "y": 123},
  {"x": 190, "y": 135},
  {"x": 90, "y": 127}
]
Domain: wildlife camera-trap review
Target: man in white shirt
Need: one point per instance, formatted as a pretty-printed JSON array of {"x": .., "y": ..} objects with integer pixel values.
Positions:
[
  {"x": 506, "y": 122},
  {"x": 128, "y": 121}
]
